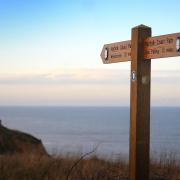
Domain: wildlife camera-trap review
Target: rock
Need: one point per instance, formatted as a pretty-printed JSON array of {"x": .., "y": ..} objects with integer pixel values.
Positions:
[{"x": 13, "y": 141}]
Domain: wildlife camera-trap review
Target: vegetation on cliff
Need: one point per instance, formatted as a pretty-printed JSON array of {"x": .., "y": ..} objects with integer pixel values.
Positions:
[
  {"x": 23, "y": 157},
  {"x": 13, "y": 141},
  {"x": 32, "y": 167}
]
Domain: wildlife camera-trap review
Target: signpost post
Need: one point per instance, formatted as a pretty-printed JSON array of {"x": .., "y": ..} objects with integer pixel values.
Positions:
[{"x": 140, "y": 50}]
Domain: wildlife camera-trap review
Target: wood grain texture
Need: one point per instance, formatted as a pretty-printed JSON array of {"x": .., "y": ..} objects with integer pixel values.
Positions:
[
  {"x": 161, "y": 46},
  {"x": 154, "y": 47},
  {"x": 117, "y": 52},
  {"x": 140, "y": 106}
]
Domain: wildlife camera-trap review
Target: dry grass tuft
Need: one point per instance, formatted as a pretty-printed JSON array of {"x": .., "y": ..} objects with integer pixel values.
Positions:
[{"x": 31, "y": 167}]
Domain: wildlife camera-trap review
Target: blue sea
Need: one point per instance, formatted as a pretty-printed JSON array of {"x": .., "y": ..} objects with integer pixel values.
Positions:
[{"x": 80, "y": 129}]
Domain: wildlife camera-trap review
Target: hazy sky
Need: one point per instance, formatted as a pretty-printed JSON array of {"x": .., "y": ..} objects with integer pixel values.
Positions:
[{"x": 50, "y": 51}]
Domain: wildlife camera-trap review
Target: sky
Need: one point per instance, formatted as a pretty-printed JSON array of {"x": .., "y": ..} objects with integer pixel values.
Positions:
[{"x": 50, "y": 51}]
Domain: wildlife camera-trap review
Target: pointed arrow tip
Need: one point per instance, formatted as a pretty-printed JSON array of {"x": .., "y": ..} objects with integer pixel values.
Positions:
[{"x": 102, "y": 54}]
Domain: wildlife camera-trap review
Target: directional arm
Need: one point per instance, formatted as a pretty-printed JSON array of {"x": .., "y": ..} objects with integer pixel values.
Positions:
[{"x": 154, "y": 47}]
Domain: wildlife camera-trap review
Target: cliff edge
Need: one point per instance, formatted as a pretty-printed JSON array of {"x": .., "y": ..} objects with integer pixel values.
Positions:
[{"x": 13, "y": 141}]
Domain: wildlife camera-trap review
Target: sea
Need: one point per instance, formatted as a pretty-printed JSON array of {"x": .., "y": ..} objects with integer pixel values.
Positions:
[{"x": 73, "y": 130}]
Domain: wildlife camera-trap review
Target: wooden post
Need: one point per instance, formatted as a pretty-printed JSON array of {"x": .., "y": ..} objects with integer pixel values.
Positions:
[
  {"x": 140, "y": 106},
  {"x": 140, "y": 50}
]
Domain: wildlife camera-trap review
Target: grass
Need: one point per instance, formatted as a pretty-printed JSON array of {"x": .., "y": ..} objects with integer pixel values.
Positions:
[
  {"x": 32, "y": 167},
  {"x": 13, "y": 141}
]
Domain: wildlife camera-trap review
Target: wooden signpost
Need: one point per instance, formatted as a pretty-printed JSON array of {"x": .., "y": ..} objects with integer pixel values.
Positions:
[
  {"x": 154, "y": 47},
  {"x": 140, "y": 50}
]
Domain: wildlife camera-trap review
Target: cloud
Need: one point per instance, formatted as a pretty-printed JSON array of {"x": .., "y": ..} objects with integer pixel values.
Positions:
[
  {"x": 166, "y": 77},
  {"x": 84, "y": 87},
  {"x": 86, "y": 76},
  {"x": 68, "y": 76}
]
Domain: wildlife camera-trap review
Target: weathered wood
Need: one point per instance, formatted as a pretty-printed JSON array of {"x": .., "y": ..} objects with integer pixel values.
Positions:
[
  {"x": 154, "y": 47},
  {"x": 117, "y": 52},
  {"x": 140, "y": 50},
  {"x": 161, "y": 46},
  {"x": 140, "y": 106}
]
